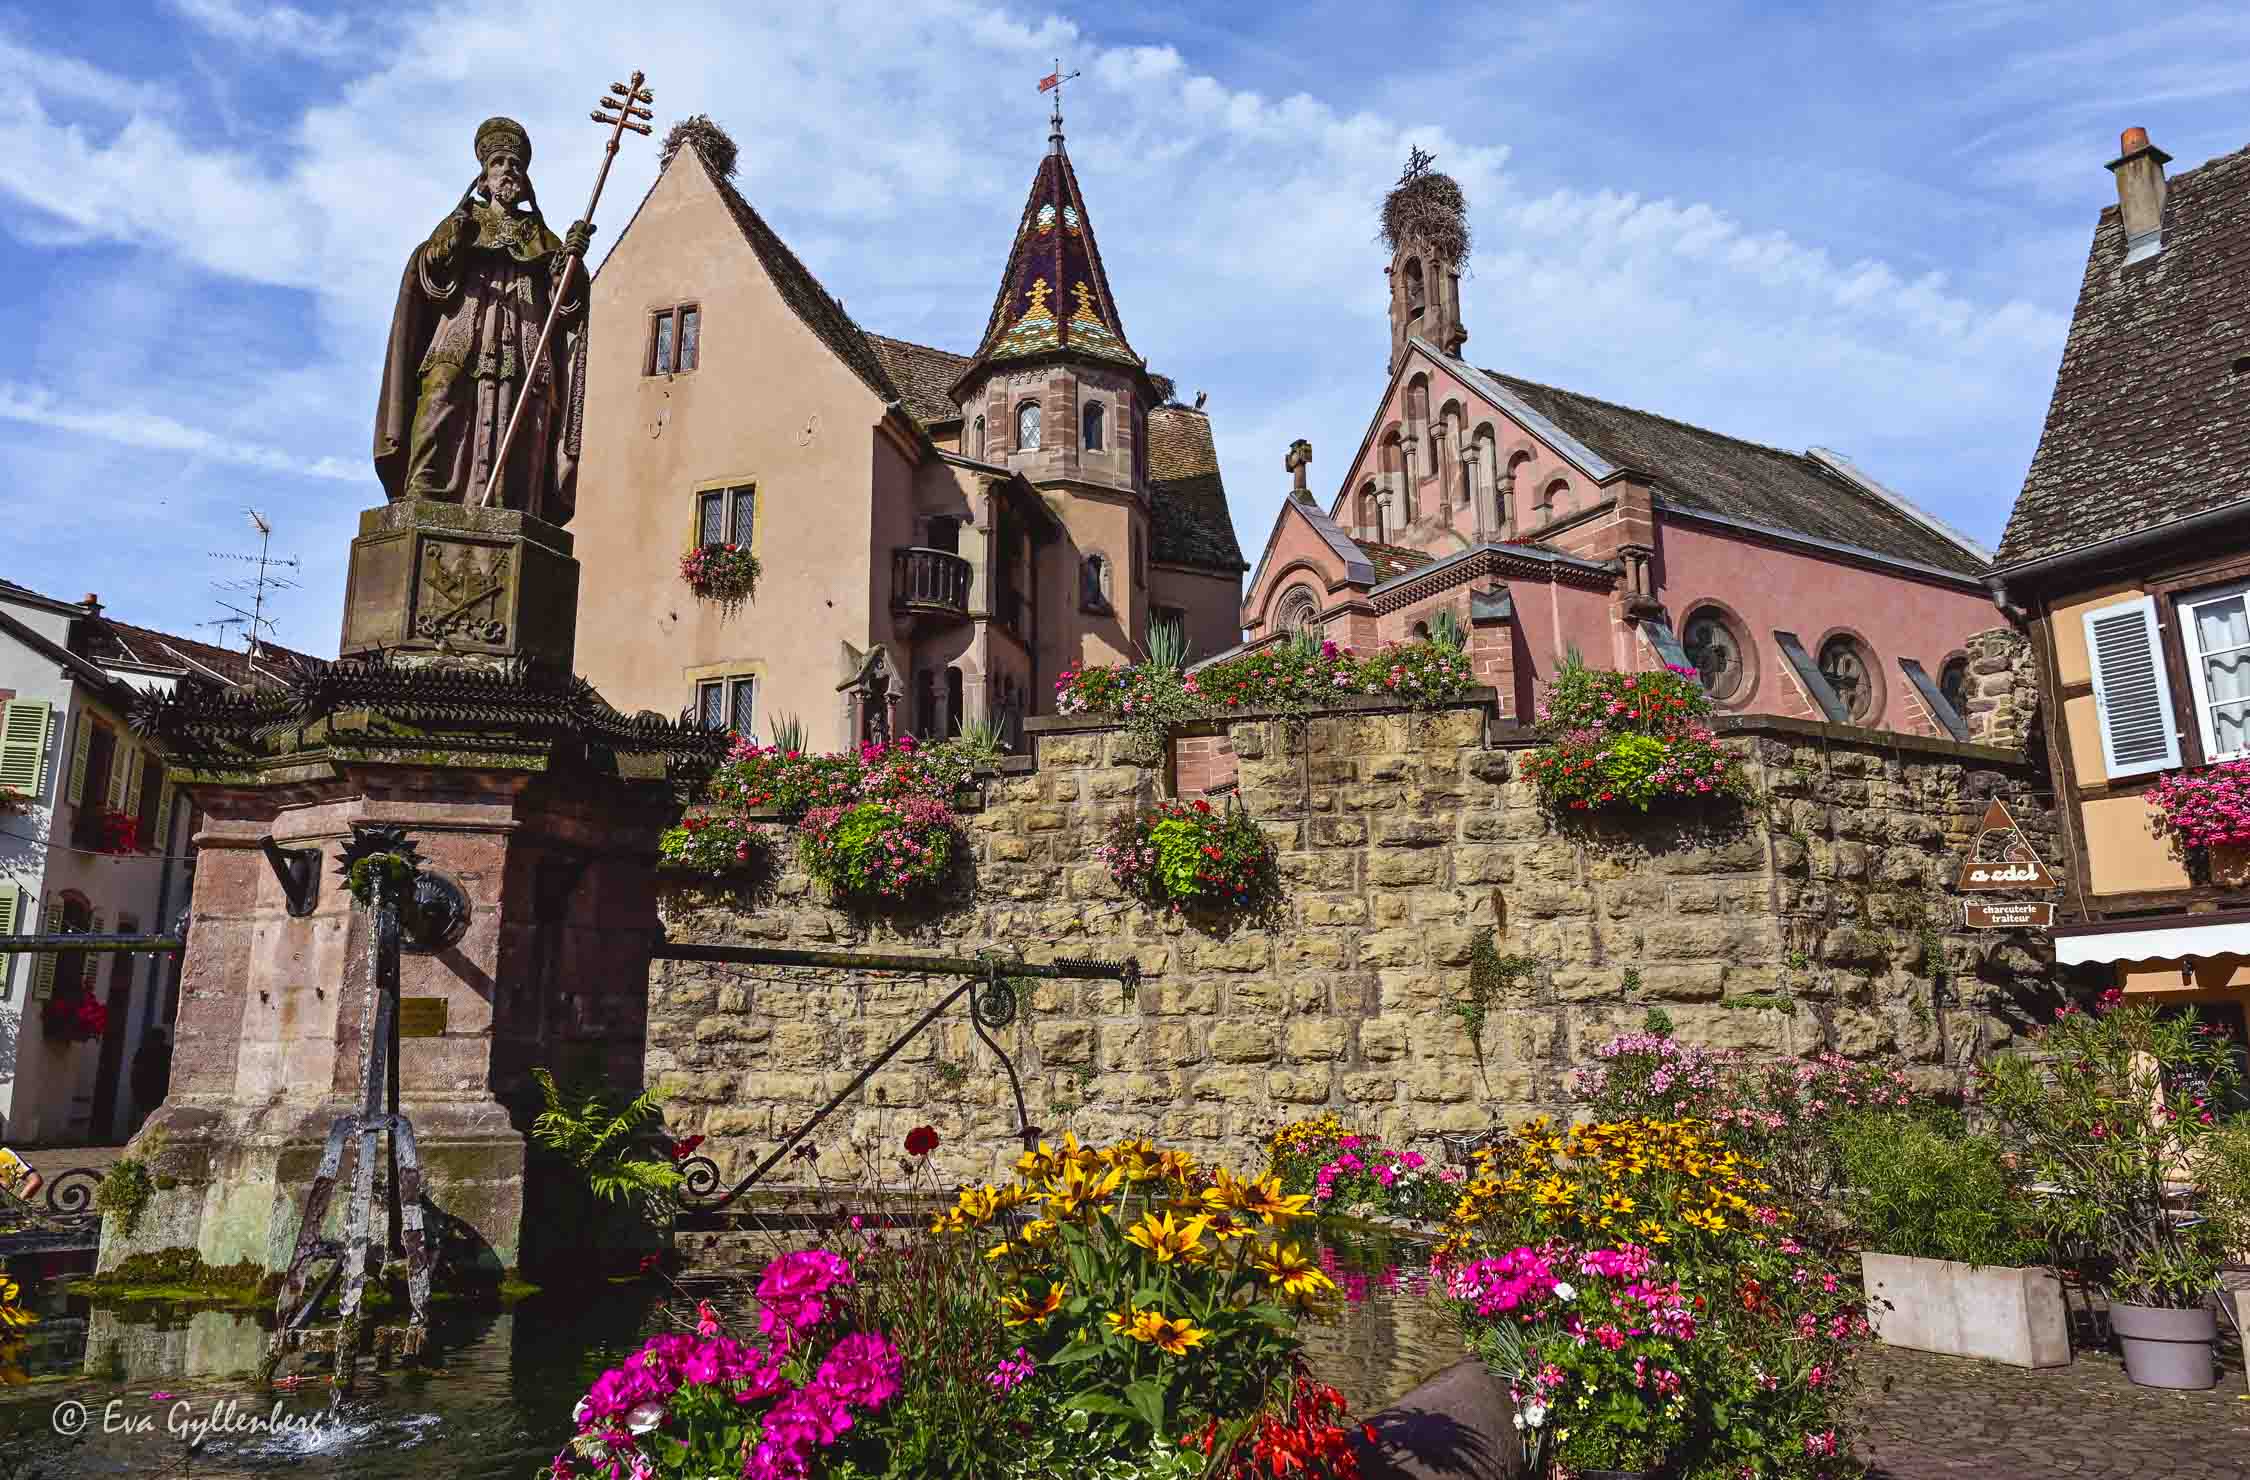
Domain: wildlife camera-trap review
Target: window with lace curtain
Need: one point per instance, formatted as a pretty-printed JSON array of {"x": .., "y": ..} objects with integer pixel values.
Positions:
[{"x": 2215, "y": 632}]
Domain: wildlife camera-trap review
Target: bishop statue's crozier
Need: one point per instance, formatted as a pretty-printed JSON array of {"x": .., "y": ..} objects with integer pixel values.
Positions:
[{"x": 463, "y": 337}]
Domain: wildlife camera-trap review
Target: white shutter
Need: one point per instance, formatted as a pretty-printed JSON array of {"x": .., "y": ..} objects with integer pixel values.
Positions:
[
  {"x": 124, "y": 776},
  {"x": 2132, "y": 700},
  {"x": 23, "y": 745}
]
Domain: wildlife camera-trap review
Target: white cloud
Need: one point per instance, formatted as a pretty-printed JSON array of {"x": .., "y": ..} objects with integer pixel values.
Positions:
[
  {"x": 154, "y": 432},
  {"x": 281, "y": 28}
]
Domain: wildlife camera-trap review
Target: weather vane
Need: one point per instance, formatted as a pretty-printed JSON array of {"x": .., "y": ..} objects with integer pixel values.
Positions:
[
  {"x": 1053, "y": 82},
  {"x": 623, "y": 108}
]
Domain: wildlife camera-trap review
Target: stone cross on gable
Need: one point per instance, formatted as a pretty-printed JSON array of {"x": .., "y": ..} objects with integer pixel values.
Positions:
[{"x": 1299, "y": 458}]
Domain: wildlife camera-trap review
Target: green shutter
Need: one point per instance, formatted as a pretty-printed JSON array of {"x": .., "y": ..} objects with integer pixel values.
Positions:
[
  {"x": 8, "y": 896},
  {"x": 23, "y": 745},
  {"x": 43, "y": 969},
  {"x": 124, "y": 773},
  {"x": 78, "y": 747}
]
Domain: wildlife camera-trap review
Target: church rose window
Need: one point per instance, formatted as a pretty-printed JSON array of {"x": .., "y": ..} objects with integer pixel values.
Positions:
[
  {"x": 1027, "y": 427},
  {"x": 1850, "y": 670},
  {"x": 1715, "y": 648},
  {"x": 1299, "y": 610}
]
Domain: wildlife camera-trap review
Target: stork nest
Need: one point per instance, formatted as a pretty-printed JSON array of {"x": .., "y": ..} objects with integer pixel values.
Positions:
[
  {"x": 1427, "y": 206},
  {"x": 710, "y": 141}
]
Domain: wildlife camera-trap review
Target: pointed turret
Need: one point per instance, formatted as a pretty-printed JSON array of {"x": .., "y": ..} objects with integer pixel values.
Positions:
[{"x": 1054, "y": 296}]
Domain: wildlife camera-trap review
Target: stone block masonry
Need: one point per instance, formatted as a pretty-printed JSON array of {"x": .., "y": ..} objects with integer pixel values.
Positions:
[{"x": 1818, "y": 919}]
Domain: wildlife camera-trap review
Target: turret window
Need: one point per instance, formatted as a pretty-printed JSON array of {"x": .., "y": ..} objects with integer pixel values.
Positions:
[
  {"x": 1094, "y": 584},
  {"x": 976, "y": 438},
  {"x": 1027, "y": 427},
  {"x": 1091, "y": 427}
]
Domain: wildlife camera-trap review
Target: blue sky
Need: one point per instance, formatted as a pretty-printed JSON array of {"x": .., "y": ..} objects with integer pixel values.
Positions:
[{"x": 1859, "y": 226}]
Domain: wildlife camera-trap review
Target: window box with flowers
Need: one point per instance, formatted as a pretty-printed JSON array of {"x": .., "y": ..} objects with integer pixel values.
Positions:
[
  {"x": 1191, "y": 856},
  {"x": 726, "y": 574},
  {"x": 1629, "y": 740},
  {"x": 74, "y": 1017},
  {"x": 2206, "y": 814},
  {"x": 116, "y": 832}
]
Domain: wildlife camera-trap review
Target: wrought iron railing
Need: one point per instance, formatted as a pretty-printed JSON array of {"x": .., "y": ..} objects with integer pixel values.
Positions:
[{"x": 925, "y": 580}]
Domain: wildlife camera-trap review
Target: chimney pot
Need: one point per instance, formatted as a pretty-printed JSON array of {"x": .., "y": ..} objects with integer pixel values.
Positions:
[{"x": 2139, "y": 169}]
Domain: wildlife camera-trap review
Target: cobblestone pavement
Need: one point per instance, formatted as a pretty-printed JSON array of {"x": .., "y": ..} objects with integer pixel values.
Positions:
[{"x": 1928, "y": 1416}]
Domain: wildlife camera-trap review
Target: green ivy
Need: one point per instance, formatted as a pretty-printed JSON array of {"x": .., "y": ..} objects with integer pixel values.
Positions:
[{"x": 1491, "y": 975}]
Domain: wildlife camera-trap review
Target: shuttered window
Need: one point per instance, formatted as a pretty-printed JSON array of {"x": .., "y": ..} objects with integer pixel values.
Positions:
[
  {"x": 43, "y": 967},
  {"x": 2132, "y": 700},
  {"x": 23, "y": 744},
  {"x": 9, "y": 925},
  {"x": 79, "y": 744}
]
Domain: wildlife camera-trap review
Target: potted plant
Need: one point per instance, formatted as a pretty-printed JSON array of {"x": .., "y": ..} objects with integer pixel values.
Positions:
[
  {"x": 2114, "y": 1115},
  {"x": 2207, "y": 815},
  {"x": 74, "y": 1017},
  {"x": 880, "y": 852},
  {"x": 1949, "y": 1257},
  {"x": 1191, "y": 855},
  {"x": 1640, "y": 740}
]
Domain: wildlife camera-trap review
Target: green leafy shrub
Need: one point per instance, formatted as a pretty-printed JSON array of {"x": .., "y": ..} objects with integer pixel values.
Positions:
[
  {"x": 603, "y": 1140},
  {"x": 1636, "y": 740},
  {"x": 713, "y": 844},
  {"x": 1927, "y": 1187},
  {"x": 1178, "y": 855}
]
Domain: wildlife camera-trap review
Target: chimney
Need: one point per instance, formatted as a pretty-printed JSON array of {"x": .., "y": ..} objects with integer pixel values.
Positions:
[
  {"x": 92, "y": 603},
  {"x": 2139, "y": 169}
]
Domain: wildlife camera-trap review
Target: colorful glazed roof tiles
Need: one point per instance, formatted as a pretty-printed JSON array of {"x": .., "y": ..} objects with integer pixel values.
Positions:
[{"x": 1054, "y": 294}]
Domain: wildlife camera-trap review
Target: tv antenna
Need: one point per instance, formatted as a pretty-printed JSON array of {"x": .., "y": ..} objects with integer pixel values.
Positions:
[{"x": 267, "y": 573}]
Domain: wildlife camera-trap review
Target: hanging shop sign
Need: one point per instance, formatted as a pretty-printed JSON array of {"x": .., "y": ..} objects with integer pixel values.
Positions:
[
  {"x": 2001, "y": 858},
  {"x": 2013, "y": 914}
]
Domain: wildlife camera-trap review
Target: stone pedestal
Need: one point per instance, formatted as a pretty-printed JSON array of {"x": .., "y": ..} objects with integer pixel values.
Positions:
[
  {"x": 470, "y": 584},
  {"x": 555, "y": 853}
]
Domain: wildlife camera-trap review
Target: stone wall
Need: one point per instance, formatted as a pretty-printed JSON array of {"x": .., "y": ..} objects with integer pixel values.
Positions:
[
  {"x": 1816, "y": 920},
  {"x": 2003, "y": 689}
]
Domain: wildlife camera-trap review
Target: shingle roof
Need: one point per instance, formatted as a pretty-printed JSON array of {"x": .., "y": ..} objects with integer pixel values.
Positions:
[
  {"x": 1726, "y": 476},
  {"x": 1392, "y": 560},
  {"x": 2150, "y": 422},
  {"x": 1188, "y": 519},
  {"x": 821, "y": 311},
  {"x": 926, "y": 376},
  {"x": 106, "y": 640}
]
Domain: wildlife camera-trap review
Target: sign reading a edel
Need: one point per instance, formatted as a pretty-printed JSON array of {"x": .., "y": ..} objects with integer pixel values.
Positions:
[{"x": 2000, "y": 858}]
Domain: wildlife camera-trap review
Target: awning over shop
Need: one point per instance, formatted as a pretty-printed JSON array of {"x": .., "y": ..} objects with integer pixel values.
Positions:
[{"x": 2177, "y": 940}]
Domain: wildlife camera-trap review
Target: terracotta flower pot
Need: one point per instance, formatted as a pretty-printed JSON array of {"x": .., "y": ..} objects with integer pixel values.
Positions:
[{"x": 2166, "y": 1348}]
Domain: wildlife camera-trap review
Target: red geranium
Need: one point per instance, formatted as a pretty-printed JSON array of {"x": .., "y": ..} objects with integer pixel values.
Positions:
[{"x": 921, "y": 1141}]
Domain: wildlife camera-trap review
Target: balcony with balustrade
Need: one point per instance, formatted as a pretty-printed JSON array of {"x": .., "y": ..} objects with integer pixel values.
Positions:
[{"x": 932, "y": 584}]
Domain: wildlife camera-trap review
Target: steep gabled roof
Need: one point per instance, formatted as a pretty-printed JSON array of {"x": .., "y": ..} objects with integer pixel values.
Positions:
[
  {"x": 1189, "y": 523},
  {"x": 1699, "y": 470},
  {"x": 925, "y": 374},
  {"x": 818, "y": 309},
  {"x": 1054, "y": 294},
  {"x": 2150, "y": 420},
  {"x": 106, "y": 640}
]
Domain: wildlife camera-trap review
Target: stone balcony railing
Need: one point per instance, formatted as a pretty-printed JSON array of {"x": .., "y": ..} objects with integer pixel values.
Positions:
[{"x": 933, "y": 581}]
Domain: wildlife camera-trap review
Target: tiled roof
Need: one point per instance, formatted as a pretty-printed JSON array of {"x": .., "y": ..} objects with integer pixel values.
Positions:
[
  {"x": 924, "y": 374},
  {"x": 1392, "y": 560},
  {"x": 1726, "y": 476},
  {"x": 1188, "y": 519},
  {"x": 106, "y": 640},
  {"x": 2150, "y": 420},
  {"x": 821, "y": 312},
  {"x": 1054, "y": 294}
]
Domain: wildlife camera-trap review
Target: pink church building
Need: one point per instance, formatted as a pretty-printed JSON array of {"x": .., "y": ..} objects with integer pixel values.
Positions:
[{"x": 1549, "y": 521}]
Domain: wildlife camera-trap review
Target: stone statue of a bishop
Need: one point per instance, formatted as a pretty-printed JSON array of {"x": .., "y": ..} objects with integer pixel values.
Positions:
[{"x": 470, "y": 308}]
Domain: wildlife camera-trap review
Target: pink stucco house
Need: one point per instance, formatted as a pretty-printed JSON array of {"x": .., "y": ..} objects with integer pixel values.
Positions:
[{"x": 1549, "y": 521}]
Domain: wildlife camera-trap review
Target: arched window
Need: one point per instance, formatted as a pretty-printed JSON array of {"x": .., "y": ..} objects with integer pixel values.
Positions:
[
  {"x": 1953, "y": 682},
  {"x": 1027, "y": 427},
  {"x": 1371, "y": 513},
  {"x": 1850, "y": 670},
  {"x": 1414, "y": 292},
  {"x": 1554, "y": 500},
  {"x": 1090, "y": 427},
  {"x": 1717, "y": 652},
  {"x": 1298, "y": 611},
  {"x": 976, "y": 438},
  {"x": 1094, "y": 584}
]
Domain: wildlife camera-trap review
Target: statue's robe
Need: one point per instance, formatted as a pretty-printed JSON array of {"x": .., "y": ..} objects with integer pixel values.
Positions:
[{"x": 462, "y": 339}]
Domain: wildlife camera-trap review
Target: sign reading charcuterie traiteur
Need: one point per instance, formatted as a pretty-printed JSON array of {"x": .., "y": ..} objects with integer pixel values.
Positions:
[{"x": 2012, "y": 914}]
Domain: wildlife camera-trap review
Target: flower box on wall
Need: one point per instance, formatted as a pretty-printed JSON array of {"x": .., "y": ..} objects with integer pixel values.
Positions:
[
  {"x": 1992, "y": 1312},
  {"x": 2230, "y": 865}
]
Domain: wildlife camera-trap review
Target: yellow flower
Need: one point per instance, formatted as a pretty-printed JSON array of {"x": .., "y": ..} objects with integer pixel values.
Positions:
[
  {"x": 1228, "y": 1193},
  {"x": 1167, "y": 1240},
  {"x": 1177, "y": 1165},
  {"x": 1554, "y": 1193},
  {"x": 1226, "y": 1226},
  {"x": 1270, "y": 1203},
  {"x": 1653, "y": 1231},
  {"x": 1076, "y": 1191},
  {"x": 1038, "y": 1232},
  {"x": 1616, "y": 1202},
  {"x": 1175, "y": 1337},
  {"x": 1022, "y": 1310},
  {"x": 1286, "y": 1268}
]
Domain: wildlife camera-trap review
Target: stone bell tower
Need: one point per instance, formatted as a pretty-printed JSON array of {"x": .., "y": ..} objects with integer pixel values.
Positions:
[{"x": 1425, "y": 222}]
